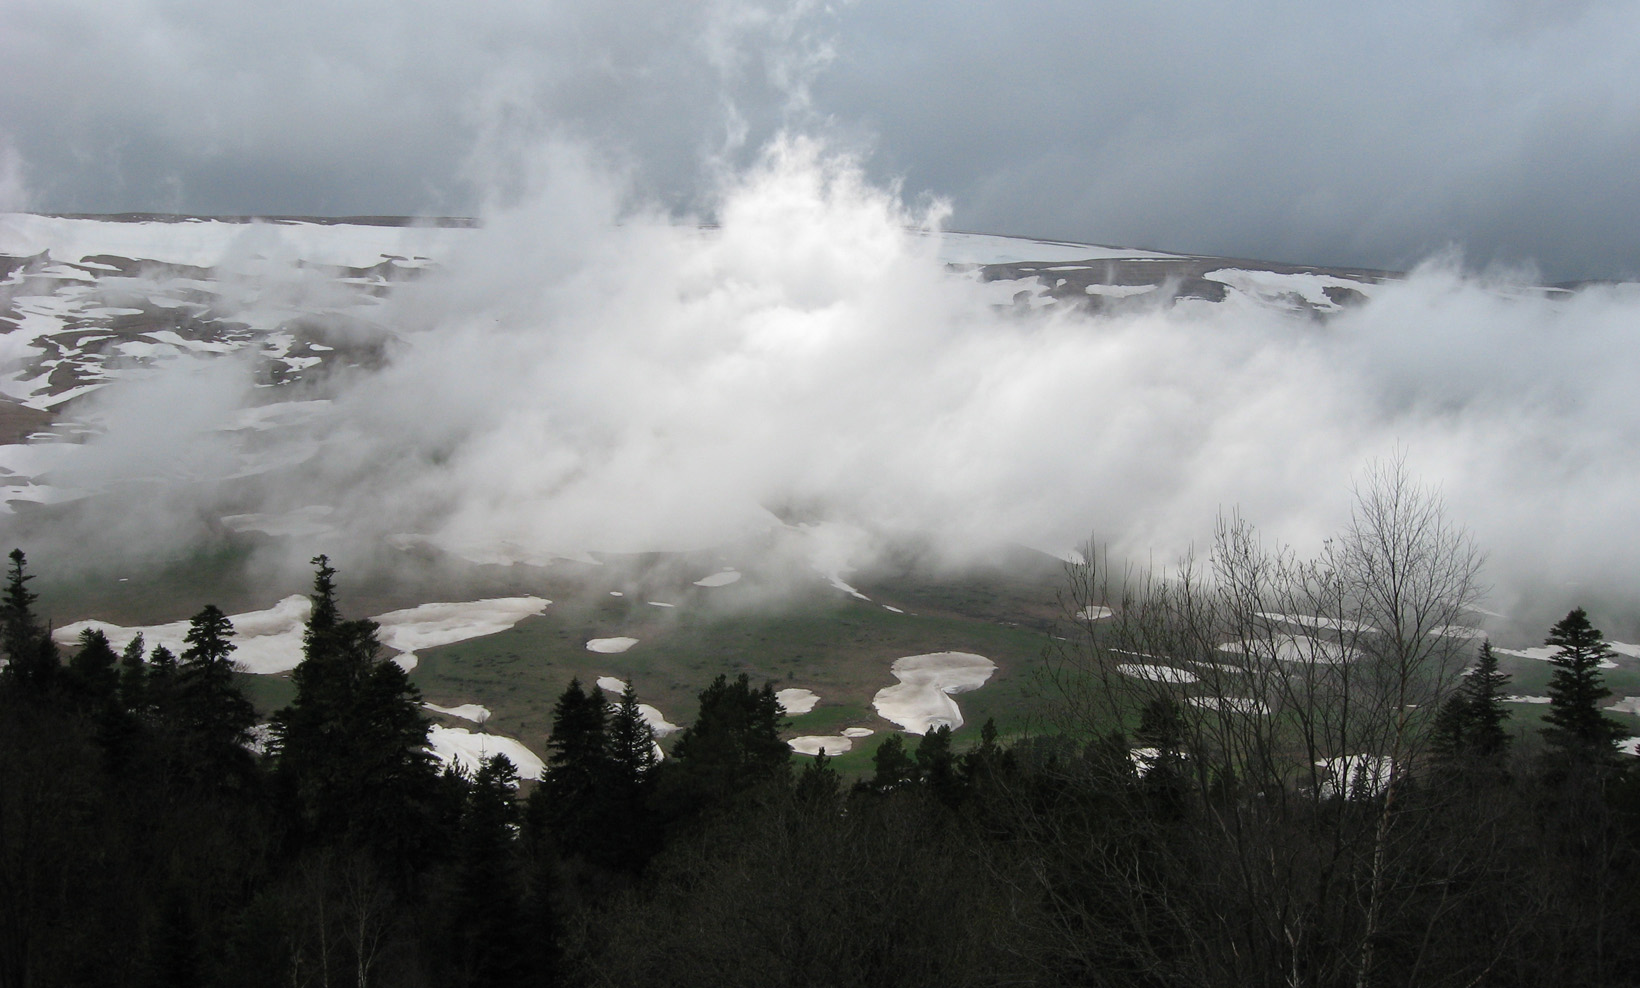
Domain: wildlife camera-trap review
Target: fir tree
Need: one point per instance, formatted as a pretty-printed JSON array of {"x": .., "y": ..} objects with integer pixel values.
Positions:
[
  {"x": 893, "y": 768},
  {"x": 818, "y": 785},
  {"x": 631, "y": 743},
  {"x": 487, "y": 916},
  {"x": 31, "y": 656},
  {"x": 1470, "y": 722},
  {"x": 351, "y": 747},
  {"x": 211, "y": 705},
  {"x": 578, "y": 749},
  {"x": 734, "y": 745},
  {"x": 91, "y": 669},
  {"x": 1485, "y": 690},
  {"x": 133, "y": 675},
  {"x": 937, "y": 765},
  {"x": 1576, "y": 727}
]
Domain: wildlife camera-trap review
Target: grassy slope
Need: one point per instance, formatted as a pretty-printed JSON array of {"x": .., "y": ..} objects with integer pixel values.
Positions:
[
  {"x": 818, "y": 638},
  {"x": 837, "y": 645}
]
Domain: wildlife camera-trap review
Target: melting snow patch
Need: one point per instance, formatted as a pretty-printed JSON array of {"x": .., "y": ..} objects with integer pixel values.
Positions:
[
  {"x": 654, "y": 718},
  {"x": 466, "y": 711},
  {"x": 1355, "y": 775},
  {"x": 656, "y": 603},
  {"x": 1630, "y": 747},
  {"x": 1156, "y": 674},
  {"x": 1543, "y": 653},
  {"x": 301, "y": 523},
  {"x": 432, "y": 625},
  {"x": 1313, "y": 621},
  {"x": 722, "y": 579},
  {"x": 1119, "y": 291},
  {"x": 1459, "y": 631},
  {"x": 1294, "y": 648},
  {"x": 611, "y": 646},
  {"x": 1093, "y": 612},
  {"x": 796, "y": 701},
  {"x": 896, "y": 610},
  {"x": 1626, "y": 705},
  {"x": 813, "y": 744},
  {"x": 266, "y": 642},
  {"x": 1516, "y": 698},
  {"x": 922, "y": 701},
  {"x": 461, "y": 747},
  {"x": 858, "y": 732},
  {"x": 1233, "y": 704}
]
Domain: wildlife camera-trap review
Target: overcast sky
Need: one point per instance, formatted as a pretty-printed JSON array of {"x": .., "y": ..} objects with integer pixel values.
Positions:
[{"x": 1369, "y": 134}]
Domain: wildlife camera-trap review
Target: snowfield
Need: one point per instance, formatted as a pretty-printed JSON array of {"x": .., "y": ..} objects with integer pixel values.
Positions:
[
  {"x": 269, "y": 642},
  {"x": 467, "y": 750},
  {"x": 922, "y": 700},
  {"x": 466, "y": 711},
  {"x": 796, "y": 701}
]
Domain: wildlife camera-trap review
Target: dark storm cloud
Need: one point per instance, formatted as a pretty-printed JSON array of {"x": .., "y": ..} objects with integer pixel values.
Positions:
[{"x": 1367, "y": 135}]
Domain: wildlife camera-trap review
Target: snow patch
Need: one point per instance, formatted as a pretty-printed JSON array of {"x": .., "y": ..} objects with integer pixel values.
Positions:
[
  {"x": 1314, "y": 621},
  {"x": 796, "y": 701},
  {"x": 1155, "y": 673},
  {"x": 922, "y": 700},
  {"x": 466, "y": 711},
  {"x": 1356, "y": 775},
  {"x": 1232, "y": 704},
  {"x": 722, "y": 579},
  {"x": 832, "y": 744},
  {"x": 266, "y": 642},
  {"x": 1294, "y": 648},
  {"x": 468, "y": 751},
  {"x": 1543, "y": 653},
  {"x": 445, "y": 623},
  {"x": 611, "y": 646}
]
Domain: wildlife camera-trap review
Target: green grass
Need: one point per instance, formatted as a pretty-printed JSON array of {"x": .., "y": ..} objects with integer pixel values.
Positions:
[{"x": 839, "y": 647}]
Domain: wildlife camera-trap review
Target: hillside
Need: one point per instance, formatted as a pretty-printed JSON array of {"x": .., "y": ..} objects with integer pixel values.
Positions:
[{"x": 307, "y": 309}]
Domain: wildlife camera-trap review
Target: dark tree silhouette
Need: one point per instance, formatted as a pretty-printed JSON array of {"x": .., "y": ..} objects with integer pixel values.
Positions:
[
  {"x": 32, "y": 661},
  {"x": 1576, "y": 727},
  {"x": 734, "y": 745}
]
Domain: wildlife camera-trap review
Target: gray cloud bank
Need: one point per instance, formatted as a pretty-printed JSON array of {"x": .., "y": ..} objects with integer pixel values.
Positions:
[
  {"x": 1322, "y": 134},
  {"x": 635, "y": 382}
]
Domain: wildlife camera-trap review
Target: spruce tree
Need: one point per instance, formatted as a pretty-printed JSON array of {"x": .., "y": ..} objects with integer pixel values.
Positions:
[
  {"x": 91, "y": 669},
  {"x": 1484, "y": 691},
  {"x": 937, "y": 765},
  {"x": 893, "y": 767},
  {"x": 206, "y": 704},
  {"x": 31, "y": 656},
  {"x": 133, "y": 676},
  {"x": 631, "y": 743},
  {"x": 818, "y": 784},
  {"x": 734, "y": 745},
  {"x": 1576, "y": 727},
  {"x": 578, "y": 767},
  {"x": 351, "y": 747},
  {"x": 487, "y": 914},
  {"x": 1470, "y": 722}
]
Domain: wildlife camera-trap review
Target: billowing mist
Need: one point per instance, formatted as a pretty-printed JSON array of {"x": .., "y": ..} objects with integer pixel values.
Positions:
[{"x": 588, "y": 374}]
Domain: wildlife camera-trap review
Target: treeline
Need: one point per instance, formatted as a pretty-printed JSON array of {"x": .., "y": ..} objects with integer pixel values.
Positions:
[{"x": 151, "y": 834}]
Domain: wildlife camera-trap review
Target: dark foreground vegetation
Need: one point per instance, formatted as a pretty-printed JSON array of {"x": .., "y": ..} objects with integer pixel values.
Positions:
[{"x": 150, "y": 836}]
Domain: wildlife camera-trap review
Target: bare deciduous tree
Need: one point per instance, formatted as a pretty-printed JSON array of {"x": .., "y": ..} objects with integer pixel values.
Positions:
[{"x": 1303, "y": 693}]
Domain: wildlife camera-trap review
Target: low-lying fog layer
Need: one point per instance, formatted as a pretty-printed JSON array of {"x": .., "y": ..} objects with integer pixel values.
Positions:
[{"x": 585, "y": 374}]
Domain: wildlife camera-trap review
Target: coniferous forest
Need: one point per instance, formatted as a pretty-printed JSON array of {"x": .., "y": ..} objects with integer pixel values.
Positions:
[{"x": 152, "y": 835}]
